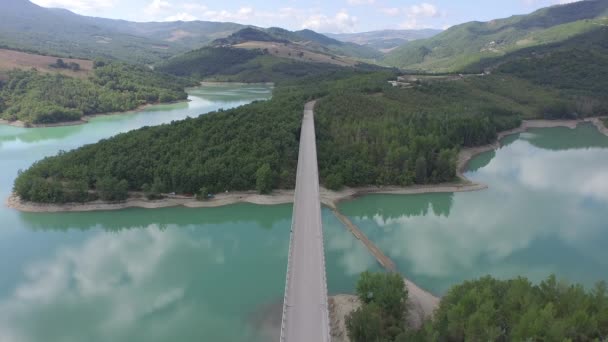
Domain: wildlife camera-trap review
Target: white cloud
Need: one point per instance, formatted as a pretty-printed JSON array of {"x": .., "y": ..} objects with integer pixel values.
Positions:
[
  {"x": 77, "y": 5},
  {"x": 157, "y": 7},
  {"x": 423, "y": 10},
  {"x": 340, "y": 23},
  {"x": 183, "y": 16},
  {"x": 242, "y": 14},
  {"x": 416, "y": 13},
  {"x": 361, "y": 2}
]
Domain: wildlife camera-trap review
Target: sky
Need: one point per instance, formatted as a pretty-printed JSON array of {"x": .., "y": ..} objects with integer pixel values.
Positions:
[{"x": 335, "y": 16}]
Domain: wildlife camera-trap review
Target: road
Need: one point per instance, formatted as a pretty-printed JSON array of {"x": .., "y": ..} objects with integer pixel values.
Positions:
[{"x": 305, "y": 312}]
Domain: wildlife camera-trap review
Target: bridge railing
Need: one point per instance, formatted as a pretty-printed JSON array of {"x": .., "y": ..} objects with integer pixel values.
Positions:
[{"x": 289, "y": 255}]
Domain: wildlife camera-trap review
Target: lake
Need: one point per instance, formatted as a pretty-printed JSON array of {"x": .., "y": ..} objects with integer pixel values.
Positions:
[
  {"x": 217, "y": 274},
  {"x": 546, "y": 211},
  {"x": 148, "y": 275}
]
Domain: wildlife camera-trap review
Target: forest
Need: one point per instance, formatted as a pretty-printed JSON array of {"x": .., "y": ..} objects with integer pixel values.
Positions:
[
  {"x": 242, "y": 65},
  {"x": 38, "y": 98},
  {"x": 485, "y": 309},
  {"x": 368, "y": 133}
]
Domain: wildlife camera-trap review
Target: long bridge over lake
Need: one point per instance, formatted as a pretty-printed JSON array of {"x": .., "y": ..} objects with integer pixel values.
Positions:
[{"x": 305, "y": 310}]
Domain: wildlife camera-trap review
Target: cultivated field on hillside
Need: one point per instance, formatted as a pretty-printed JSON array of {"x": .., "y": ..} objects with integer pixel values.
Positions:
[{"x": 10, "y": 59}]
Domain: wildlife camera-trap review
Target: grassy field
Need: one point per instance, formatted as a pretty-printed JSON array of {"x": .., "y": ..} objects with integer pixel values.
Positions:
[{"x": 10, "y": 60}]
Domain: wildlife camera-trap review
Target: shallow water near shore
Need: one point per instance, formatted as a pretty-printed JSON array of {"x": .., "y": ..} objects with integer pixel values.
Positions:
[
  {"x": 545, "y": 212},
  {"x": 148, "y": 275}
]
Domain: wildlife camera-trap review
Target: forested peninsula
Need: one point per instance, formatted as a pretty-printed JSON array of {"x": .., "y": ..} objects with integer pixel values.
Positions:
[
  {"x": 36, "y": 98},
  {"x": 368, "y": 133}
]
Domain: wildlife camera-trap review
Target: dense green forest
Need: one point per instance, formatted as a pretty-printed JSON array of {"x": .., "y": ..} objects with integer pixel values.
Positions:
[
  {"x": 486, "y": 309},
  {"x": 368, "y": 133},
  {"x": 385, "y": 136},
  {"x": 465, "y": 44},
  {"x": 39, "y": 98}
]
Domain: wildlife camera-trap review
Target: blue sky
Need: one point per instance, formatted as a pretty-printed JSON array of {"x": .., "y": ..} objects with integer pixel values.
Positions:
[{"x": 322, "y": 16}]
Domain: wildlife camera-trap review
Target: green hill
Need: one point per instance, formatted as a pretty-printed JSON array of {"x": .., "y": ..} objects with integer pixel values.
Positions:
[
  {"x": 258, "y": 55},
  {"x": 58, "y": 32},
  {"x": 26, "y": 26},
  {"x": 465, "y": 44},
  {"x": 578, "y": 65},
  {"x": 37, "y": 98},
  {"x": 384, "y": 40}
]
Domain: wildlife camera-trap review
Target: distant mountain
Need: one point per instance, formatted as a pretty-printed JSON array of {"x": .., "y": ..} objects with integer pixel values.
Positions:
[
  {"x": 29, "y": 27},
  {"x": 384, "y": 40},
  {"x": 466, "y": 44},
  {"x": 298, "y": 45}
]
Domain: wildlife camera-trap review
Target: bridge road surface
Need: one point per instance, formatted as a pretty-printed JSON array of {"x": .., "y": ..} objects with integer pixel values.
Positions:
[{"x": 305, "y": 313}]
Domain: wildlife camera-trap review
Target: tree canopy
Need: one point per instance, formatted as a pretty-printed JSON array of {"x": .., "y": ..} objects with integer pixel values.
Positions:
[{"x": 39, "y": 98}]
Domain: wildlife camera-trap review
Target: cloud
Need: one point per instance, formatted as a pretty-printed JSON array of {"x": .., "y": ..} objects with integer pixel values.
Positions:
[
  {"x": 77, "y": 5},
  {"x": 114, "y": 282},
  {"x": 361, "y": 2},
  {"x": 157, "y": 7},
  {"x": 183, "y": 16},
  {"x": 423, "y": 10},
  {"x": 487, "y": 231},
  {"x": 418, "y": 12},
  {"x": 342, "y": 22}
]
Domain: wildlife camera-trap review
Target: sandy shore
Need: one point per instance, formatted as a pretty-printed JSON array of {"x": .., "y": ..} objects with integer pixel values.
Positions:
[
  {"x": 328, "y": 197},
  {"x": 85, "y": 119}
]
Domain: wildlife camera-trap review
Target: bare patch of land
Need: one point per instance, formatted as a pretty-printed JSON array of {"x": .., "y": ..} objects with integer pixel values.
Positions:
[{"x": 10, "y": 59}]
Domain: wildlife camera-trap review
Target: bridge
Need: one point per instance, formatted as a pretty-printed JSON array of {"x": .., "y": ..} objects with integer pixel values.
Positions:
[{"x": 305, "y": 311}]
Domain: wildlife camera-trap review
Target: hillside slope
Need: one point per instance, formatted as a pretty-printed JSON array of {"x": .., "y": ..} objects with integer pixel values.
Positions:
[
  {"x": 258, "y": 55},
  {"x": 468, "y": 43},
  {"x": 32, "y": 28},
  {"x": 384, "y": 40},
  {"x": 29, "y": 27}
]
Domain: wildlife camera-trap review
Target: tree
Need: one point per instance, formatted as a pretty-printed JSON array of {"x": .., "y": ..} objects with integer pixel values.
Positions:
[
  {"x": 365, "y": 324},
  {"x": 112, "y": 189},
  {"x": 334, "y": 181},
  {"x": 264, "y": 179},
  {"x": 74, "y": 66},
  {"x": 203, "y": 194},
  {"x": 60, "y": 64},
  {"x": 421, "y": 170},
  {"x": 382, "y": 314}
]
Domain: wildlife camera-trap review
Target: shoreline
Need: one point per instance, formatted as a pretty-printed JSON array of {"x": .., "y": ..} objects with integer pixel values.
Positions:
[
  {"x": 85, "y": 118},
  {"x": 328, "y": 197}
]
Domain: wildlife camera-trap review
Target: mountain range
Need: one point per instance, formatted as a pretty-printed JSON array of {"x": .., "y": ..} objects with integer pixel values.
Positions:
[{"x": 469, "y": 43}]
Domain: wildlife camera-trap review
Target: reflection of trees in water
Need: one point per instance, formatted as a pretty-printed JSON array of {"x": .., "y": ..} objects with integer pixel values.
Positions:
[
  {"x": 32, "y": 135},
  {"x": 261, "y": 216},
  {"x": 480, "y": 161},
  {"x": 406, "y": 205},
  {"x": 561, "y": 138}
]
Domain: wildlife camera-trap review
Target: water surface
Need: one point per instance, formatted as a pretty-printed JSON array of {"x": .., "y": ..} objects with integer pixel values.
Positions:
[
  {"x": 148, "y": 275},
  {"x": 546, "y": 211}
]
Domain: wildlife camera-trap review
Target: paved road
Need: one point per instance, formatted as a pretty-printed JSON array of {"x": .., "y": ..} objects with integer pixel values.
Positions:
[{"x": 305, "y": 315}]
